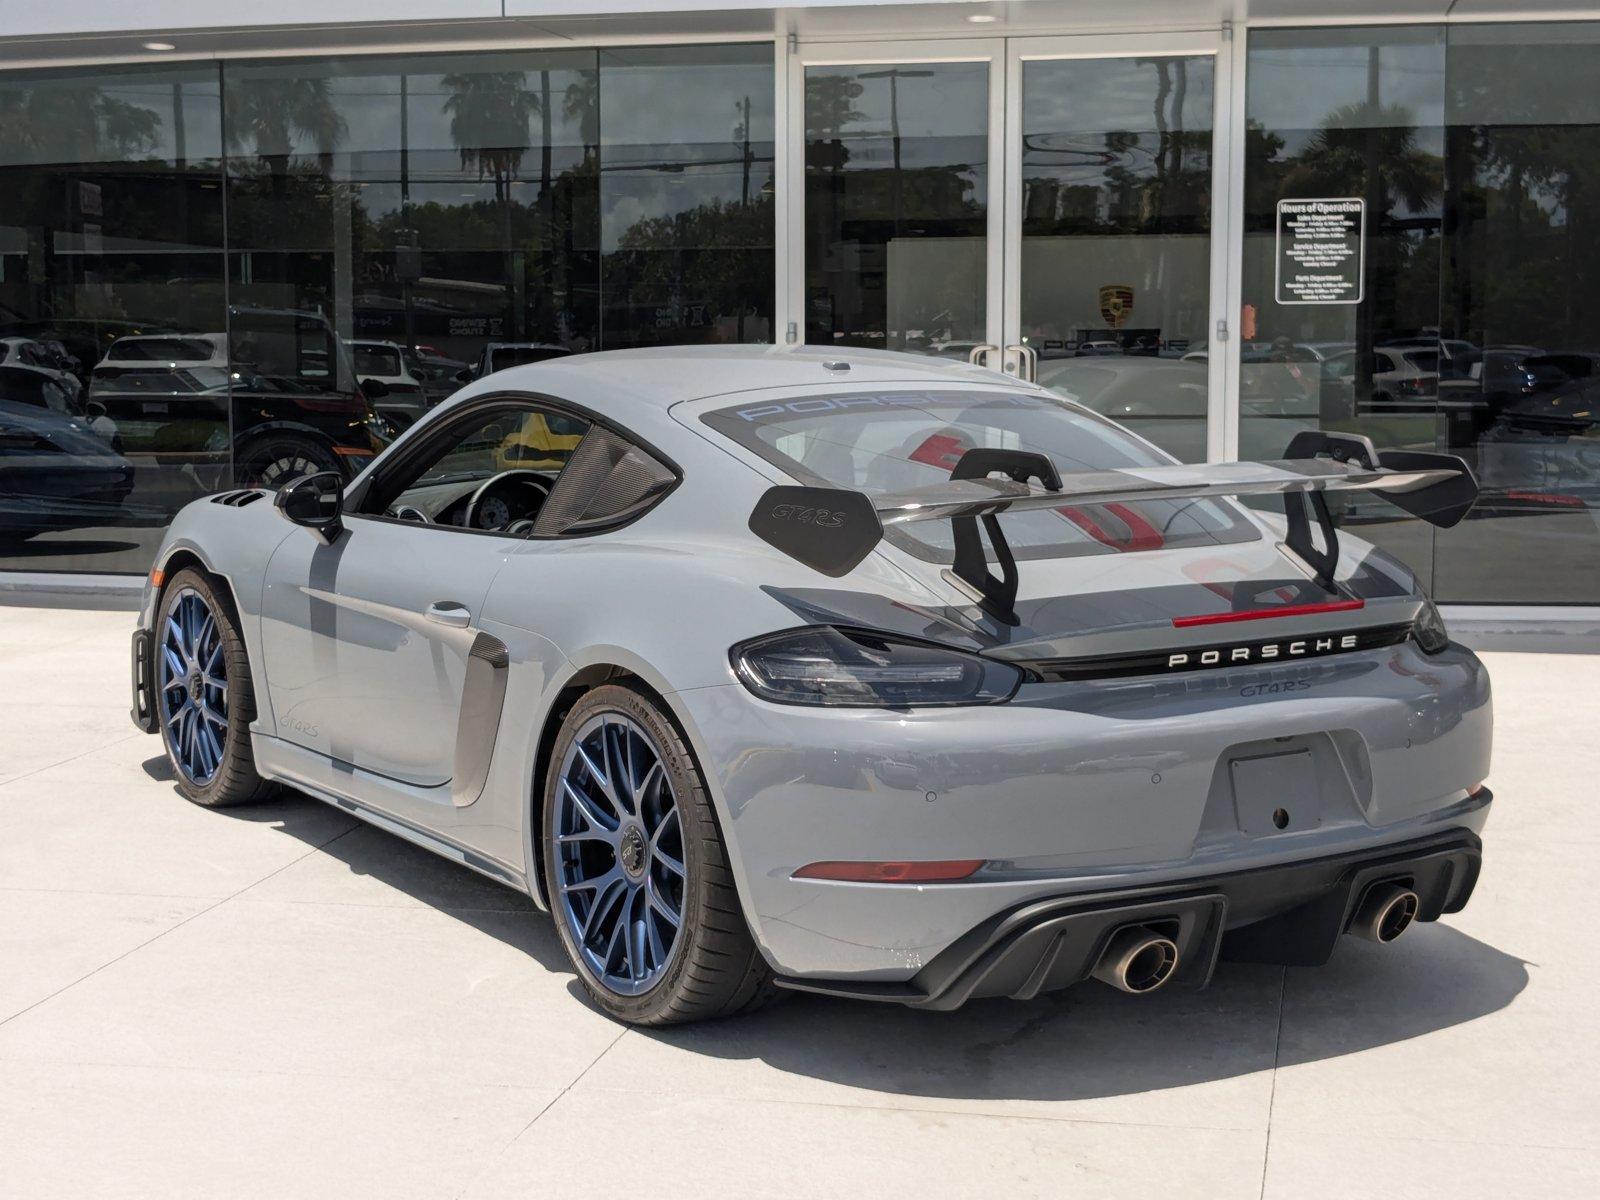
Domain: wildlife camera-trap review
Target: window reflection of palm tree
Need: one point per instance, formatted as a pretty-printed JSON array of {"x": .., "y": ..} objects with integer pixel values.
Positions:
[
  {"x": 491, "y": 115},
  {"x": 1373, "y": 146},
  {"x": 271, "y": 117}
]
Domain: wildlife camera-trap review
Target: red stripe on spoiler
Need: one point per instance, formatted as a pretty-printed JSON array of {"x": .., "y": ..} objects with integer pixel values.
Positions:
[{"x": 1259, "y": 614}]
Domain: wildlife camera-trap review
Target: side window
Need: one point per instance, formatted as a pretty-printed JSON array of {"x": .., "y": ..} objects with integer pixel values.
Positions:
[
  {"x": 495, "y": 474},
  {"x": 608, "y": 483}
]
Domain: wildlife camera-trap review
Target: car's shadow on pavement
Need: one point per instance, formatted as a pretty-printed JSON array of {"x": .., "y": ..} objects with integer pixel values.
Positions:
[
  {"x": 1091, "y": 1041},
  {"x": 1088, "y": 1041}
]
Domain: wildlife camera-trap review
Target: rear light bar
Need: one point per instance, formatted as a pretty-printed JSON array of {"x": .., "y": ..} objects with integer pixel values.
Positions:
[
  {"x": 892, "y": 872},
  {"x": 1262, "y": 614}
]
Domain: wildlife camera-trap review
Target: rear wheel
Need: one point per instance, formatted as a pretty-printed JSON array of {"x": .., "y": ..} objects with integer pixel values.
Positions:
[
  {"x": 203, "y": 694},
  {"x": 638, "y": 876}
]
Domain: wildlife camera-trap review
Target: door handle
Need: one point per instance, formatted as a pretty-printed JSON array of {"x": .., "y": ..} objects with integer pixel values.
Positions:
[
  {"x": 449, "y": 612},
  {"x": 978, "y": 356},
  {"x": 1027, "y": 362}
]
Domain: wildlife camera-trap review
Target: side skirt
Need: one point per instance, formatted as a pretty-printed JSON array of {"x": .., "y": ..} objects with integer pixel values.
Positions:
[{"x": 290, "y": 764}]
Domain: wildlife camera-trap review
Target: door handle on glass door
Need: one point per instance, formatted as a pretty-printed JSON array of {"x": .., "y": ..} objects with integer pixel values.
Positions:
[
  {"x": 1026, "y": 365},
  {"x": 449, "y": 612}
]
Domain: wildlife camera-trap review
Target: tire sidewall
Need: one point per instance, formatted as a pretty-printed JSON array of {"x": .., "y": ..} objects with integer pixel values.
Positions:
[
  {"x": 275, "y": 448},
  {"x": 241, "y": 705},
  {"x": 692, "y": 801}
]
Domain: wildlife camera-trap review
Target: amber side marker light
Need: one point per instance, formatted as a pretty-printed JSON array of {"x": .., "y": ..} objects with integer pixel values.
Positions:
[
  {"x": 891, "y": 872},
  {"x": 157, "y": 577}
]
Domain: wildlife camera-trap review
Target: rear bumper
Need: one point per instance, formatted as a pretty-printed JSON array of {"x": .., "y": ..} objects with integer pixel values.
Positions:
[
  {"x": 1078, "y": 790},
  {"x": 1292, "y": 914}
]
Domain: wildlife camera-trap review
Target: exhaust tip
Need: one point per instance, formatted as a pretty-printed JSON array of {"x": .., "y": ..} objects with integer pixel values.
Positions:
[
  {"x": 1137, "y": 961},
  {"x": 1386, "y": 912}
]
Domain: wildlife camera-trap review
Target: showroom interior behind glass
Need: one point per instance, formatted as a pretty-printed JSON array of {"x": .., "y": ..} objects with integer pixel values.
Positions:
[
  {"x": 221, "y": 273},
  {"x": 227, "y": 274}
]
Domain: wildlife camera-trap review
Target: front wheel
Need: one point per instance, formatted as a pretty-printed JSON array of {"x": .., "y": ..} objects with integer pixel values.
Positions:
[
  {"x": 636, "y": 870},
  {"x": 204, "y": 696}
]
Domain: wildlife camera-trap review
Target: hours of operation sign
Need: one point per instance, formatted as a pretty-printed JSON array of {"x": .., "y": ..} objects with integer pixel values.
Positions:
[{"x": 1321, "y": 251}]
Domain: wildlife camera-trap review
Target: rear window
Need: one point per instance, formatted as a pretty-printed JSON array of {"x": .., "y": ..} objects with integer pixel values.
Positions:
[
  {"x": 377, "y": 360},
  {"x": 502, "y": 357},
  {"x": 893, "y": 440},
  {"x": 149, "y": 349}
]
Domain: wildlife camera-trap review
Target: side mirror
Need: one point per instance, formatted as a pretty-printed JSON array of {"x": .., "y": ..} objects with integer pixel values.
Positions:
[
  {"x": 315, "y": 501},
  {"x": 374, "y": 389}
]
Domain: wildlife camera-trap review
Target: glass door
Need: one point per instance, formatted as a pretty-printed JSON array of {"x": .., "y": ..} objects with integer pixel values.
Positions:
[
  {"x": 1115, "y": 284},
  {"x": 1043, "y": 206},
  {"x": 896, "y": 240}
]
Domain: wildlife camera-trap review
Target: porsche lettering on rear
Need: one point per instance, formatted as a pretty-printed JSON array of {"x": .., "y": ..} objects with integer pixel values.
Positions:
[{"x": 1262, "y": 651}]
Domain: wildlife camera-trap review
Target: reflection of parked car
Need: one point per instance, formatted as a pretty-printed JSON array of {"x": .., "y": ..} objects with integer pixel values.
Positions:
[
  {"x": 1542, "y": 452},
  {"x": 1401, "y": 380},
  {"x": 287, "y": 403},
  {"x": 56, "y": 474},
  {"x": 401, "y": 399},
  {"x": 48, "y": 356},
  {"x": 1158, "y": 398},
  {"x": 36, "y": 387},
  {"x": 497, "y": 356},
  {"x": 437, "y": 373}
]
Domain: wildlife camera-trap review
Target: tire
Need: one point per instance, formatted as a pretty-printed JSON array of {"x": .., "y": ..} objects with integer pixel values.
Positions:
[
  {"x": 276, "y": 458},
  {"x": 712, "y": 967},
  {"x": 205, "y": 729}
]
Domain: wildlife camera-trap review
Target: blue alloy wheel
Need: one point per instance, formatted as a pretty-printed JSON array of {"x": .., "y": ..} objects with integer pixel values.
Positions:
[
  {"x": 619, "y": 851},
  {"x": 192, "y": 676}
]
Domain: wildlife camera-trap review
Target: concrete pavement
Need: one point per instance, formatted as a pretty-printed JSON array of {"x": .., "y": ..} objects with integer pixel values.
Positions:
[{"x": 280, "y": 1001}]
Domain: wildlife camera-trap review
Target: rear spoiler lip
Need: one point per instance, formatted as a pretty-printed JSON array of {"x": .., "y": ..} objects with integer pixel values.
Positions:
[{"x": 982, "y": 497}]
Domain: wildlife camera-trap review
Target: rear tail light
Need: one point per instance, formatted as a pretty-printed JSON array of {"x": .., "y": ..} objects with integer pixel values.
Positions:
[
  {"x": 1429, "y": 630},
  {"x": 852, "y": 668},
  {"x": 892, "y": 872}
]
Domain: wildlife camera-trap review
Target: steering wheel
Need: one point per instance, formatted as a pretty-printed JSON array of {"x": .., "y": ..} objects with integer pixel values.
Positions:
[{"x": 488, "y": 508}]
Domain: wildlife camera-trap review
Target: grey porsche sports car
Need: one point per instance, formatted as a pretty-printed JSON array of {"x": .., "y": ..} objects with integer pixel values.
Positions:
[{"x": 855, "y": 673}]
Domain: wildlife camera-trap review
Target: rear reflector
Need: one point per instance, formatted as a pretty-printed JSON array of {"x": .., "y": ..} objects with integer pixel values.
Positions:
[
  {"x": 891, "y": 872},
  {"x": 1475, "y": 789},
  {"x": 1262, "y": 614}
]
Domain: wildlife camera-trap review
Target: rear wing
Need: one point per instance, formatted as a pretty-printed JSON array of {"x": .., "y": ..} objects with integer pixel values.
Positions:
[{"x": 834, "y": 529}]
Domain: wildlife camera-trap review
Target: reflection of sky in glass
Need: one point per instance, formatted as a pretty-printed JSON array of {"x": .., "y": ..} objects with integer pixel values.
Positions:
[
  {"x": 943, "y": 110},
  {"x": 667, "y": 124},
  {"x": 1069, "y": 107},
  {"x": 669, "y": 131},
  {"x": 168, "y": 102},
  {"x": 1298, "y": 80},
  {"x": 1102, "y": 94}
]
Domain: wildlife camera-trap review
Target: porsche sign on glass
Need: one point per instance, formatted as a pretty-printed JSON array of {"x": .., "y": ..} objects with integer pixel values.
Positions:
[{"x": 1321, "y": 251}]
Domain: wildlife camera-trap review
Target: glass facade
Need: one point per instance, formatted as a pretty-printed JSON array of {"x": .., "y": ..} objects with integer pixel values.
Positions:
[
  {"x": 235, "y": 272},
  {"x": 1464, "y": 316},
  {"x": 238, "y": 273},
  {"x": 1116, "y": 238},
  {"x": 897, "y": 206}
]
